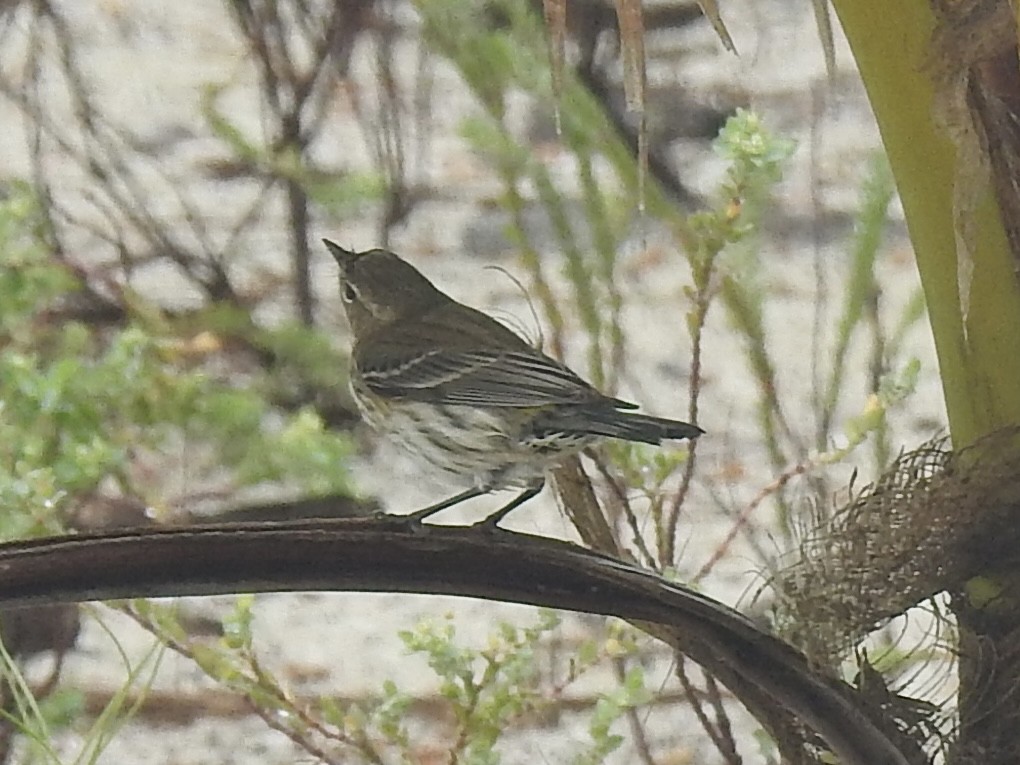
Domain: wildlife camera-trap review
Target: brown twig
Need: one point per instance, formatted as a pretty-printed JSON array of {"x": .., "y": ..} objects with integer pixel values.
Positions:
[{"x": 744, "y": 516}]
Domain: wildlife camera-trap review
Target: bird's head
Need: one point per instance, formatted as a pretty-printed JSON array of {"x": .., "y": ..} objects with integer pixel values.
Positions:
[{"x": 378, "y": 288}]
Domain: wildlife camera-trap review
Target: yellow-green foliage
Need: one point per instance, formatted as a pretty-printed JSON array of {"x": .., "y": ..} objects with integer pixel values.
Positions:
[{"x": 976, "y": 324}]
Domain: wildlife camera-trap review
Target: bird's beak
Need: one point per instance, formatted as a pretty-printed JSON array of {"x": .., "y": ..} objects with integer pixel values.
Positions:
[{"x": 344, "y": 258}]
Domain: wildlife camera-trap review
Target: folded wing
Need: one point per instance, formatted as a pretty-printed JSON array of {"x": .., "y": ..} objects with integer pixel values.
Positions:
[{"x": 497, "y": 378}]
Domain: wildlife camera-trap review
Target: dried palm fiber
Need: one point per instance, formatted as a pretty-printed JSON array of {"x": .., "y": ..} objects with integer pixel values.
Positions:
[{"x": 927, "y": 525}]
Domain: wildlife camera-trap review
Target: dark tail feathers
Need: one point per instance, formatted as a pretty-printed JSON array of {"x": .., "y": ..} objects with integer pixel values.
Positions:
[{"x": 612, "y": 423}]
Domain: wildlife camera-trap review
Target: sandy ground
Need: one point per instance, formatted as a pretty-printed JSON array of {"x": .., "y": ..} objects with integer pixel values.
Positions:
[{"x": 347, "y": 644}]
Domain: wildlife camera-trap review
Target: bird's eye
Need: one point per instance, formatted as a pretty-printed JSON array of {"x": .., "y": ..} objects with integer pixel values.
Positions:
[{"x": 348, "y": 293}]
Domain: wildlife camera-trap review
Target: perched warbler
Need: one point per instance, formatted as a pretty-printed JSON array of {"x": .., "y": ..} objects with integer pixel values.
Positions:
[{"x": 465, "y": 394}]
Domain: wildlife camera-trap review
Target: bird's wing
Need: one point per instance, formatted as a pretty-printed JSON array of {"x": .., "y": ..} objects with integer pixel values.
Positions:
[{"x": 497, "y": 378}]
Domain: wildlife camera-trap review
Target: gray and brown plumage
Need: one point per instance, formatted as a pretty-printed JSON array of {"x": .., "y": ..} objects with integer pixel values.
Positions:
[{"x": 464, "y": 393}]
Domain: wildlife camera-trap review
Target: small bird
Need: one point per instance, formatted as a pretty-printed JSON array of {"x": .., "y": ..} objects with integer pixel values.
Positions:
[{"x": 465, "y": 394}]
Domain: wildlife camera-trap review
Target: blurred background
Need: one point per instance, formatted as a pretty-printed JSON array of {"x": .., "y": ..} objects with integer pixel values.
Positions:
[{"x": 173, "y": 349}]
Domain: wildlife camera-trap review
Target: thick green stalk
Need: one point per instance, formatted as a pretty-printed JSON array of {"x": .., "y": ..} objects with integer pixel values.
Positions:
[
  {"x": 978, "y": 348},
  {"x": 979, "y": 354}
]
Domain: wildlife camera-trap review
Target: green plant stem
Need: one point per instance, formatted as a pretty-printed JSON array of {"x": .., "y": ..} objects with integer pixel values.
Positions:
[
  {"x": 979, "y": 354},
  {"x": 979, "y": 348}
]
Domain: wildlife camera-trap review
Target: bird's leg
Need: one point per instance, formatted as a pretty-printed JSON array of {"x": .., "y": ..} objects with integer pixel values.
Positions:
[
  {"x": 420, "y": 515},
  {"x": 492, "y": 522}
]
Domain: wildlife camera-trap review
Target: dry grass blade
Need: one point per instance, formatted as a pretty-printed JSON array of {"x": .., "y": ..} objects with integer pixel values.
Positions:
[
  {"x": 630, "y": 18},
  {"x": 556, "y": 20},
  {"x": 823, "y": 21},
  {"x": 711, "y": 10}
]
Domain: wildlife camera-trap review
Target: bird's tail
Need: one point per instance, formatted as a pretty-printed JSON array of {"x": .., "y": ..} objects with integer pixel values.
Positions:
[{"x": 629, "y": 426}]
